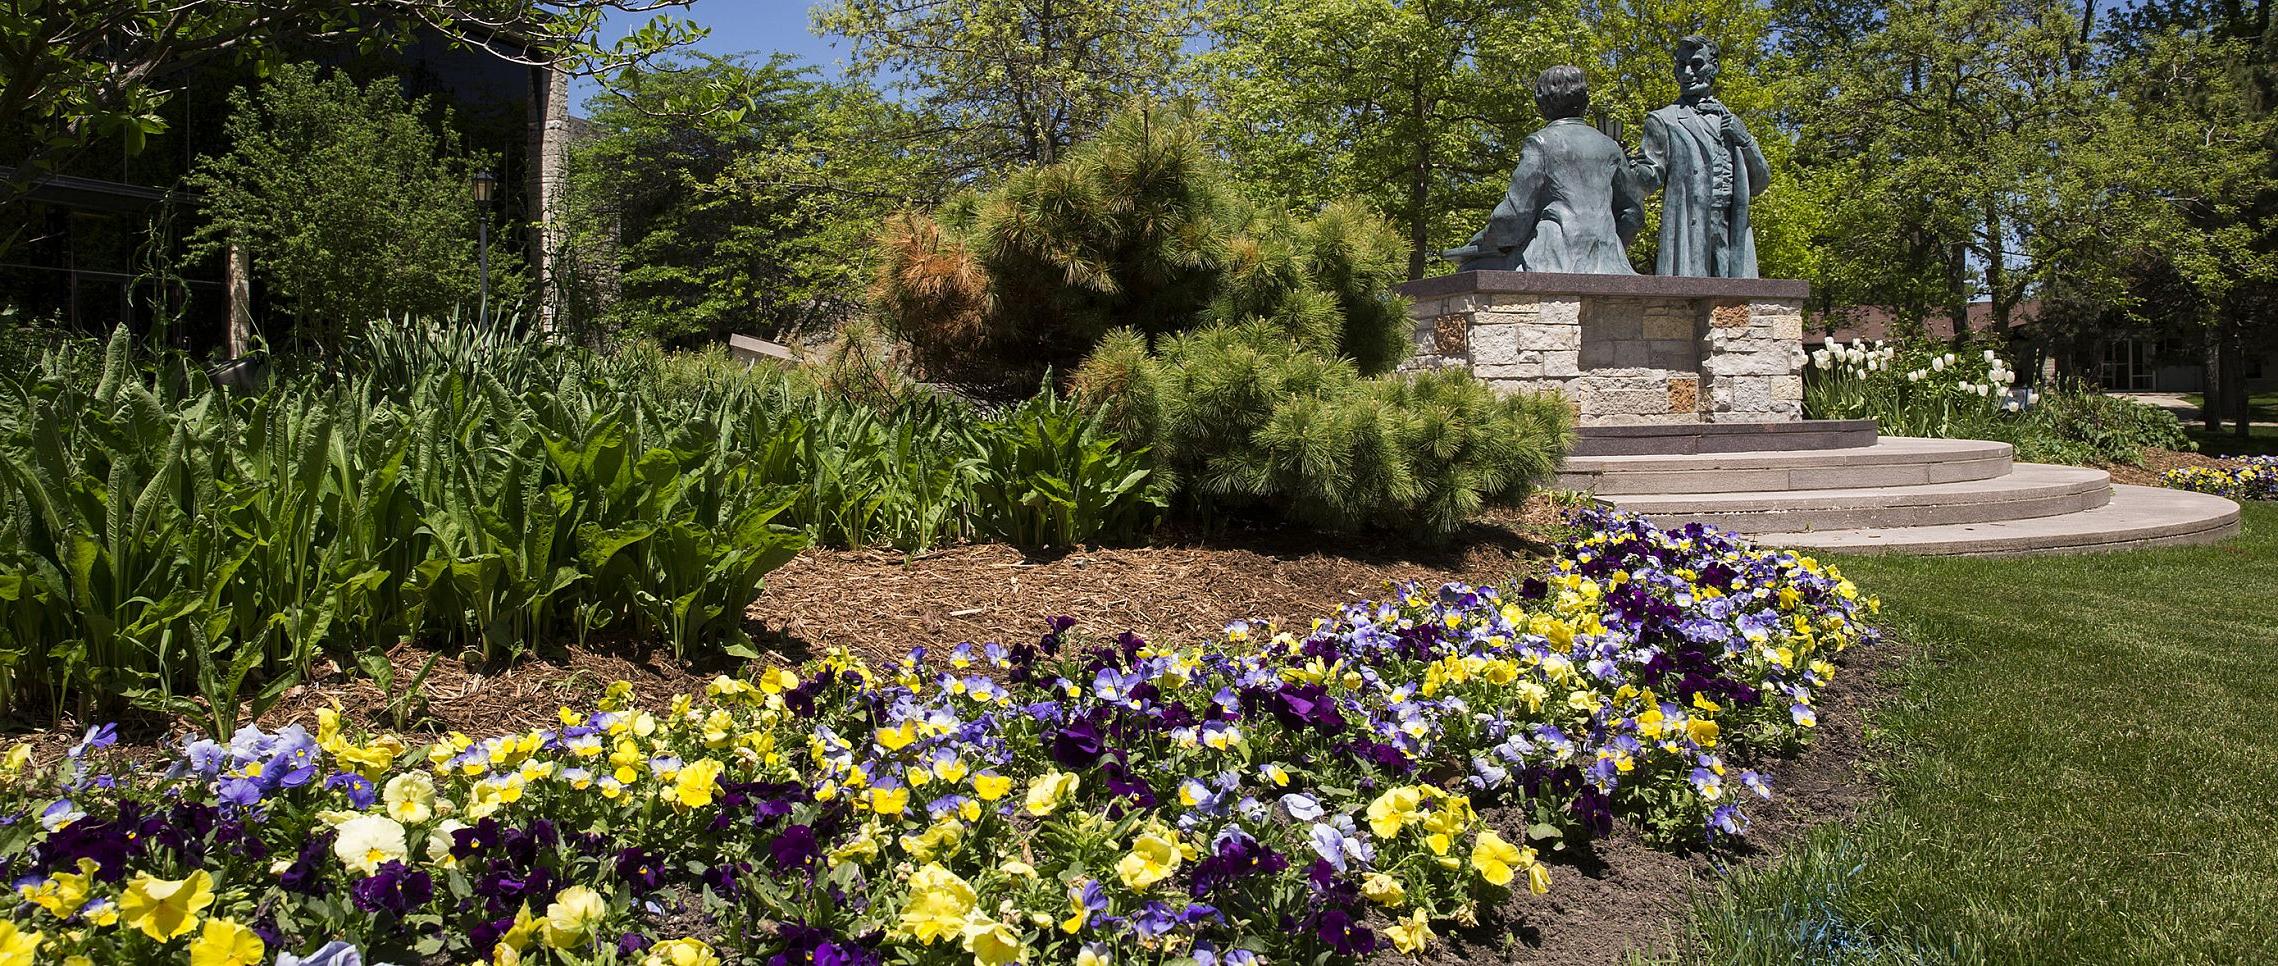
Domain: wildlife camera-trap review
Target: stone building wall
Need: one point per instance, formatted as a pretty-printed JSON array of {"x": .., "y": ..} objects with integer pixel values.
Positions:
[{"x": 1625, "y": 350}]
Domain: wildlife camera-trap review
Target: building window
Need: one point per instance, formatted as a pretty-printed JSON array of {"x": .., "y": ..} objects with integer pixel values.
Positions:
[{"x": 2127, "y": 366}]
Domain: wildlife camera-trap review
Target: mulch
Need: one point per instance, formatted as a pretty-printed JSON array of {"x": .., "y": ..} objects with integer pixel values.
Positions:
[
  {"x": 1182, "y": 589},
  {"x": 2156, "y": 463}
]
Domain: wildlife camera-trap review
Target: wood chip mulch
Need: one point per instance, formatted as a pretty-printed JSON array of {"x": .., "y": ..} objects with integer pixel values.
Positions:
[
  {"x": 2156, "y": 463},
  {"x": 881, "y": 605}
]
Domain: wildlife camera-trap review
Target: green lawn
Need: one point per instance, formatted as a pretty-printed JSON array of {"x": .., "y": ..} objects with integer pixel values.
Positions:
[
  {"x": 2263, "y": 405},
  {"x": 2261, "y": 441},
  {"x": 2082, "y": 766}
]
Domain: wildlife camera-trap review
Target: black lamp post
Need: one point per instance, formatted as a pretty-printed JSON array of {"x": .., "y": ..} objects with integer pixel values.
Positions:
[{"x": 485, "y": 186}]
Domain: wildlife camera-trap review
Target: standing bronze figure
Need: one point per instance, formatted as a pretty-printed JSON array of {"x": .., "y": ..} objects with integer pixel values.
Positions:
[{"x": 1710, "y": 167}]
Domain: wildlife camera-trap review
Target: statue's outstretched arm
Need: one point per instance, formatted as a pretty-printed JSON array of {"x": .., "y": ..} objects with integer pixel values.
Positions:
[
  {"x": 1629, "y": 205},
  {"x": 1651, "y": 167},
  {"x": 1512, "y": 225}
]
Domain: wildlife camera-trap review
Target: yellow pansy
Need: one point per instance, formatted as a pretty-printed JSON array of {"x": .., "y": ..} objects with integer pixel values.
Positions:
[
  {"x": 889, "y": 801},
  {"x": 1383, "y": 889},
  {"x": 225, "y": 943},
  {"x": 938, "y": 905},
  {"x": 681, "y": 952},
  {"x": 164, "y": 909},
  {"x": 63, "y": 893},
  {"x": 695, "y": 784},
  {"x": 935, "y": 841},
  {"x": 1154, "y": 856},
  {"x": 1498, "y": 861},
  {"x": 1410, "y": 934},
  {"x": 896, "y": 739},
  {"x": 989, "y": 788},
  {"x": 1051, "y": 790},
  {"x": 1393, "y": 810},
  {"x": 572, "y": 917},
  {"x": 993, "y": 943},
  {"x": 19, "y": 947}
]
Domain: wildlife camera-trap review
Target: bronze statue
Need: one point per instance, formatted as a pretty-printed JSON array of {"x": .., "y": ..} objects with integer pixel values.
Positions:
[
  {"x": 1574, "y": 205},
  {"x": 1711, "y": 168}
]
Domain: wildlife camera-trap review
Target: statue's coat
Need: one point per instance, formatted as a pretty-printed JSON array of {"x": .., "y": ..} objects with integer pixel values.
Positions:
[
  {"x": 1573, "y": 206},
  {"x": 1709, "y": 182}
]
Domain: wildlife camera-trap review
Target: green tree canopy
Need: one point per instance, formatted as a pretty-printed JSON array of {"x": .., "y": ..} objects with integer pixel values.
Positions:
[
  {"x": 757, "y": 219},
  {"x": 73, "y": 72},
  {"x": 352, "y": 201},
  {"x": 996, "y": 84}
]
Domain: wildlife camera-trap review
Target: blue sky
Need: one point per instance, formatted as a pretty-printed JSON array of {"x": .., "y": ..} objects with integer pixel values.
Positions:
[{"x": 743, "y": 26}]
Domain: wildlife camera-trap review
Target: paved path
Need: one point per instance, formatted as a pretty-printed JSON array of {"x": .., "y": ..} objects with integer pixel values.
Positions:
[{"x": 2177, "y": 404}]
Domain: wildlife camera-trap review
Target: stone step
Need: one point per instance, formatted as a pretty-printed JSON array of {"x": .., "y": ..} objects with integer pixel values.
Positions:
[
  {"x": 2137, "y": 516},
  {"x": 1891, "y": 461},
  {"x": 2030, "y": 490},
  {"x": 1676, "y": 439}
]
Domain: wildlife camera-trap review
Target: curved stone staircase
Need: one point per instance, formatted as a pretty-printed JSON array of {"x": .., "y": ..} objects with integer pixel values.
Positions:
[{"x": 1854, "y": 492}]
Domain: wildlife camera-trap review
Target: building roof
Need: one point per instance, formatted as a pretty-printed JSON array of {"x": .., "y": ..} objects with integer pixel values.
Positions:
[{"x": 1873, "y": 323}]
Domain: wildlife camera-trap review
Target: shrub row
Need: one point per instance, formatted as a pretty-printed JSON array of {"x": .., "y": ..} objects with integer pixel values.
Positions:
[{"x": 1263, "y": 797}]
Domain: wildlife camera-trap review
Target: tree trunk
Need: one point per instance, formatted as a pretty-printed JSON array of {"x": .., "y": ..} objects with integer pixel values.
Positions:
[
  {"x": 1996, "y": 271},
  {"x": 2211, "y": 390},
  {"x": 2234, "y": 384},
  {"x": 1958, "y": 293},
  {"x": 1419, "y": 191},
  {"x": 239, "y": 275}
]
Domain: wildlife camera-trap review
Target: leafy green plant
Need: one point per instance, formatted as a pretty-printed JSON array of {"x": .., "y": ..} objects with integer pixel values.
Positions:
[
  {"x": 1049, "y": 474},
  {"x": 184, "y": 546}
]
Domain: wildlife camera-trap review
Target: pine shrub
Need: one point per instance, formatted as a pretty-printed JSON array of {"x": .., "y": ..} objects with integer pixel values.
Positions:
[
  {"x": 1249, "y": 420},
  {"x": 1139, "y": 229}
]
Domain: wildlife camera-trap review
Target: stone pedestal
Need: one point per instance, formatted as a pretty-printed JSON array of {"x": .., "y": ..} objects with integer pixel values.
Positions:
[{"x": 1625, "y": 349}]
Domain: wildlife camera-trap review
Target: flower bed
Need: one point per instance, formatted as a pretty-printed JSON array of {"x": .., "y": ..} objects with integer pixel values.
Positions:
[
  {"x": 2249, "y": 478},
  {"x": 1269, "y": 797}
]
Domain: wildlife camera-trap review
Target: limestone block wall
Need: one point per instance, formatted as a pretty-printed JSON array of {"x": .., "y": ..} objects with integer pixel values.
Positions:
[{"x": 1625, "y": 350}]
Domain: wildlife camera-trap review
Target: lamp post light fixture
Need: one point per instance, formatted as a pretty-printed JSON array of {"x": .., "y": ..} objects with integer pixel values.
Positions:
[{"x": 484, "y": 186}]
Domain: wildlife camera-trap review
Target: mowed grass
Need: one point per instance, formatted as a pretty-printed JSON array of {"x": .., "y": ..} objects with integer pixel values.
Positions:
[
  {"x": 2263, "y": 406},
  {"x": 2260, "y": 441},
  {"x": 2081, "y": 760}
]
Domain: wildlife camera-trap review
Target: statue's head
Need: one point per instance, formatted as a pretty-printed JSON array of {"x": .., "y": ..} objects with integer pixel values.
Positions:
[
  {"x": 1561, "y": 92},
  {"x": 1696, "y": 66}
]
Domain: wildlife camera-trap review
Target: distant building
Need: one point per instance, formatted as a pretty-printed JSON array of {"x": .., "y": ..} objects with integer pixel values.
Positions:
[
  {"x": 92, "y": 232},
  {"x": 2134, "y": 360}
]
